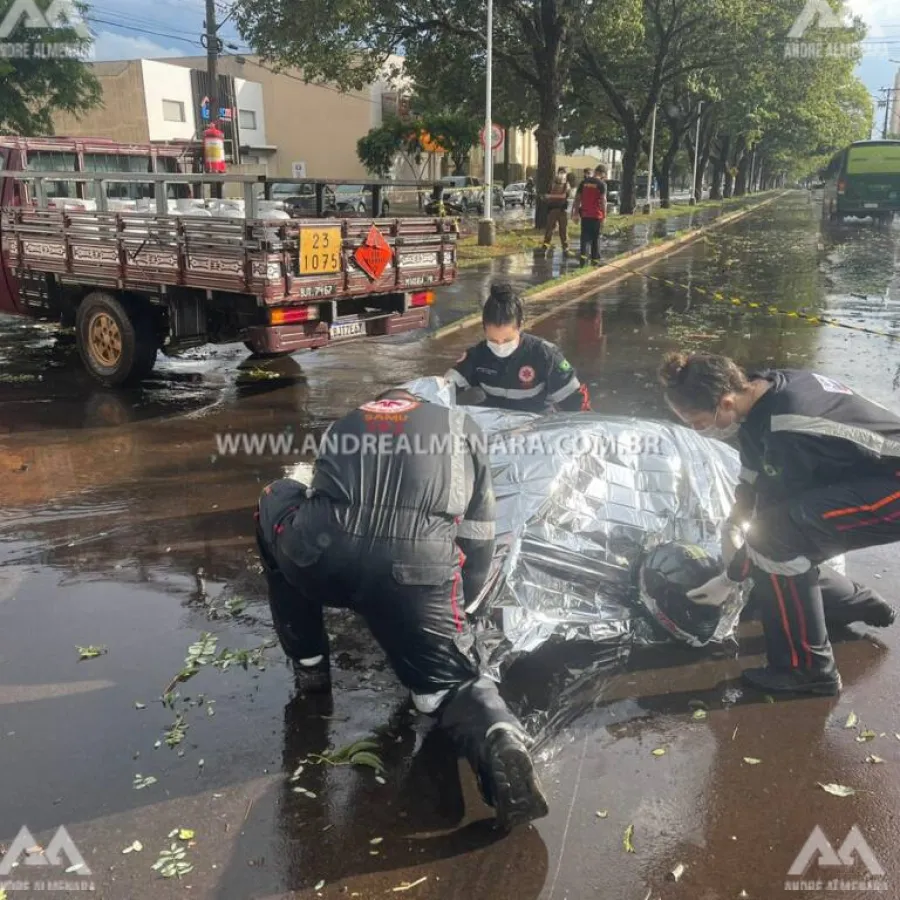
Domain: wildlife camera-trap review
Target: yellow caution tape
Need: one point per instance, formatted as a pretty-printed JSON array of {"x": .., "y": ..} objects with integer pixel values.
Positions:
[{"x": 772, "y": 310}]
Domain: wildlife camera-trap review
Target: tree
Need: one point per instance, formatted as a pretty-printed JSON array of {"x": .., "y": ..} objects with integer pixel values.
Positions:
[
  {"x": 378, "y": 150},
  {"x": 456, "y": 133},
  {"x": 348, "y": 42},
  {"x": 32, "y": 89}
]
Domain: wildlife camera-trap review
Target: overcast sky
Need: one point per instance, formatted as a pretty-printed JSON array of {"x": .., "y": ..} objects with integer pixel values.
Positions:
[{"x": 128, "y": 29}]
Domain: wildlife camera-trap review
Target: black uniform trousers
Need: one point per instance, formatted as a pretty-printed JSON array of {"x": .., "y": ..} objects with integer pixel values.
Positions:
[
  {"x": 414, "y": 611},
  {"x": 785, "y": 548},
  {"x": 590, "y": 238}
]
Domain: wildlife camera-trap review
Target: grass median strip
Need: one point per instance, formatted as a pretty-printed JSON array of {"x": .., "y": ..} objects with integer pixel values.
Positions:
[
  {"x": 526, "y": 237},
  {"x": 648, "y": 254}
]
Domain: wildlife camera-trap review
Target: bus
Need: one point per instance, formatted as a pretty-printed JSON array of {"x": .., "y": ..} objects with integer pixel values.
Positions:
[
  {"x": 863, "y": 180},
  {"x": 63, "y": 154}
]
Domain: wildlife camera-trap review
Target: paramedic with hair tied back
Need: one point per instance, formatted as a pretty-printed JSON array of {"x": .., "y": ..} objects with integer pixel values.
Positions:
[
  {"x": 820, "y": 476},
  {"x": 515, "y": 370}
]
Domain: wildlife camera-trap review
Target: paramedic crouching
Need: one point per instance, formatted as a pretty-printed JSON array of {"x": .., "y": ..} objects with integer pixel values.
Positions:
[
  {"x": 399, "y": 536},
  {"x": 514, "y": 370},
  {"x": 820, "y": 476}
]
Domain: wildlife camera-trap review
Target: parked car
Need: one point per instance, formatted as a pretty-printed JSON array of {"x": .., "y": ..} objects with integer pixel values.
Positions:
[
  {"x": 299, "y": 200},
  {"x": 354, "y": 199},
  {"x": 499, "y": 201},
  {"x": 463, "y": 191},
  {"x": 514, "y": 194},
  {"x": 613, "y": 187}
]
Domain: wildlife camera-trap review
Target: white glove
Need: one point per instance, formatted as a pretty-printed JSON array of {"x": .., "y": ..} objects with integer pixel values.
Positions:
[
  {"x": 732, "y": 541},
  {"x": 715, "y": 592}
]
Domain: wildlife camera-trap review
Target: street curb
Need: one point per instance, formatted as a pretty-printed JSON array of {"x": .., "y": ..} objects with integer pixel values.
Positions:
[{"x": 598, "y": 278}]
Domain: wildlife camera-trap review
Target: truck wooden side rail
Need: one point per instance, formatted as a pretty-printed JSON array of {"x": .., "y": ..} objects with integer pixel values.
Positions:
[{"x": 135, "y": 280}]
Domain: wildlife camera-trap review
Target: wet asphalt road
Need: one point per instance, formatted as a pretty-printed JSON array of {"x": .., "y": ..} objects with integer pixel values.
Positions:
[{"x": 114, "y": 501}]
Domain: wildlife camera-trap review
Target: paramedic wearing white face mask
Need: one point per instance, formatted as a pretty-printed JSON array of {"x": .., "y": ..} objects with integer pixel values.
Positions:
[
  {"x": 514, "y": 370},
  {"x": 820, "y": 475}
]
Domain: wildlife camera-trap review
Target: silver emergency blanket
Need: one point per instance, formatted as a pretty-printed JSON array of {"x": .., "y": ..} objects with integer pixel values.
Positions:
[{"x": 579, "y": 498}]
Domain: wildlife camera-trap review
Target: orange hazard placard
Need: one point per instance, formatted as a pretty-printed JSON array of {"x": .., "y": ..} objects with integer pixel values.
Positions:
[{"x": 374, "y": 254}]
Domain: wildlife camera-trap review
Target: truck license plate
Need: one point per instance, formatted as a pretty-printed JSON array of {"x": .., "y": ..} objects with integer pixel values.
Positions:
[
  {"x": 348, "y": 329},
  {"x": 320, "y": 251},
  {"x": 870, "y": 206}
]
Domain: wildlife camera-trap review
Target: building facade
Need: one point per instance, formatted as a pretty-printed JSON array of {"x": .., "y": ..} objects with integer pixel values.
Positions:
[{"x": 274, "y": 124}]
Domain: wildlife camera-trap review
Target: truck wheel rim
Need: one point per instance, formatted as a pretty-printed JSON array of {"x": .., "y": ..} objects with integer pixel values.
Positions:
[{"x": 105, "y": 339}]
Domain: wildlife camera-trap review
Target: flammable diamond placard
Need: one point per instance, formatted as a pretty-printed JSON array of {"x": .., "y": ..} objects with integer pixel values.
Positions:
[{"x": 374, "y": 254}]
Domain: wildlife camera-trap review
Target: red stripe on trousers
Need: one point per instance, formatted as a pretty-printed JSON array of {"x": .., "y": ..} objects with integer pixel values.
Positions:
[
  {"x": 876, "y": 521},
  {"x": 804, "y": 640},
  {"x": 454, "y": 590},
  {"x": 795, "y": 662}
]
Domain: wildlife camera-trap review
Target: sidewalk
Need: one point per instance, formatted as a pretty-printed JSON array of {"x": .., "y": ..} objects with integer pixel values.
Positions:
[{"x": 524, "y": 270}]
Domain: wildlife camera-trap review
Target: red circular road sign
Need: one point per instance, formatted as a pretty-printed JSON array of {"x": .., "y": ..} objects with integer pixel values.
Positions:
[{"x": 497, "y": 135}]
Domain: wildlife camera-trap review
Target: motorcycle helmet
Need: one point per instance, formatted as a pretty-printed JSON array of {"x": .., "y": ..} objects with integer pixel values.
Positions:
[{"x": 667, "y": 573}]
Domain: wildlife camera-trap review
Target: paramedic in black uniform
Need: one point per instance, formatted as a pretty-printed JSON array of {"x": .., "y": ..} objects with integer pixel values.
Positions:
[
  {"x": 515, "y": 370},
  {"x": 399, "y": 516},
  {"x": 820, "y": 476}
]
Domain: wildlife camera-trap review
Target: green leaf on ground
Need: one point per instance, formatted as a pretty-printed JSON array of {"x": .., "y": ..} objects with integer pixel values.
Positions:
[
  {"x": 365, "y": 758},
  {"x": 91, "y": 652},
  {"x": 852, "y": 720},
  {"x": 627, "y": 842},
  {"x": 867, "y": 735},
  {"x": 136, "y": 847},
  {"x": 699, "y": 714},
  {"x": 172, "y": 863},
  {"x": 751, "y": 761},
  {"x": 659, "y": 751},
  {"x": 175, "y": 734},
  {"x": 874, "y": 759},
  {"x": 140, "y": 782},
  {"x": 838, "y": 790},
  {"x": 602, "y": 813}
]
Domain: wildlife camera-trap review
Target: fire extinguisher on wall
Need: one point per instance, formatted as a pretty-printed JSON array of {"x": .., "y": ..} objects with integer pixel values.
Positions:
[{"x": 214, "y": 150}]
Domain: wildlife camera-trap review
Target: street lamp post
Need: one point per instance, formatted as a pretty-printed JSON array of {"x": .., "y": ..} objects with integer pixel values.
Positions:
[
  {"x": 694, "y": 192},
  {"x": 486, "y": 227},
  {"x": 649, "y": 205}
]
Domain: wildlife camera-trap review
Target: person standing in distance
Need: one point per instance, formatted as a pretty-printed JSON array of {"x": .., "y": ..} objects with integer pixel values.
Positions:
[
  {"x": 820, "y": 476},
  {"x": 558, "y": 212},
  {"x": 590, "y": 207},
  {"x": 515, "y": 370}
]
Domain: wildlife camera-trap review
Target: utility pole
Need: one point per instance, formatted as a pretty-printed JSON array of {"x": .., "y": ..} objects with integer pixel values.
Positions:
[
  {"x": 696, "y": 195},
  {"x": 212, "y": 60},
  {"x": 649, "y": 205},
  {"x": 889, "y": 101},
  {"x": 213, "y": 49},
  {"x": 486, "y": 227}
]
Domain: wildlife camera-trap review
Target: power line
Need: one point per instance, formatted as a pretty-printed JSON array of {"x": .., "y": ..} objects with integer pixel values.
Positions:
[
  {"x": 324, "y": 87},
  {"x": 148, "y": 31}
]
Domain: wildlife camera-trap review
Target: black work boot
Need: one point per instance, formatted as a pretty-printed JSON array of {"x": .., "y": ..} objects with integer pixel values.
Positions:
[
  {"x": 878, "y": 613},
  {"x": 794, "y": 681},
  {"x": 312, "y": 679},
  {"x": 516, "y": 792}
]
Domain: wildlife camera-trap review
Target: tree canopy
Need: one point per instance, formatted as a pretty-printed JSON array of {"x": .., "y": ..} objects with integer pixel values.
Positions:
[{"x": 592, "y": 73}]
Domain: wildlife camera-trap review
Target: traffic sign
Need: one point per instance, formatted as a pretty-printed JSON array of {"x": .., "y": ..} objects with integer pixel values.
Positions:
[{"x": 497, "y": 136}]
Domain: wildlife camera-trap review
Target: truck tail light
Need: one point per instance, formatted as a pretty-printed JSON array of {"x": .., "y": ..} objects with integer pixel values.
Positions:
[
  {"x": 296, "y": 314},
  {"x": 422, "y": 298},
  {"x": 841, "y": 186}
]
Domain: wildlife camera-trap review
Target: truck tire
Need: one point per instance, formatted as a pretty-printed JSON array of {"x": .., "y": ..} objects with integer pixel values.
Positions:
[
  {"x": 275, "y": 355},
  {"x": 116, "y": 339}
]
